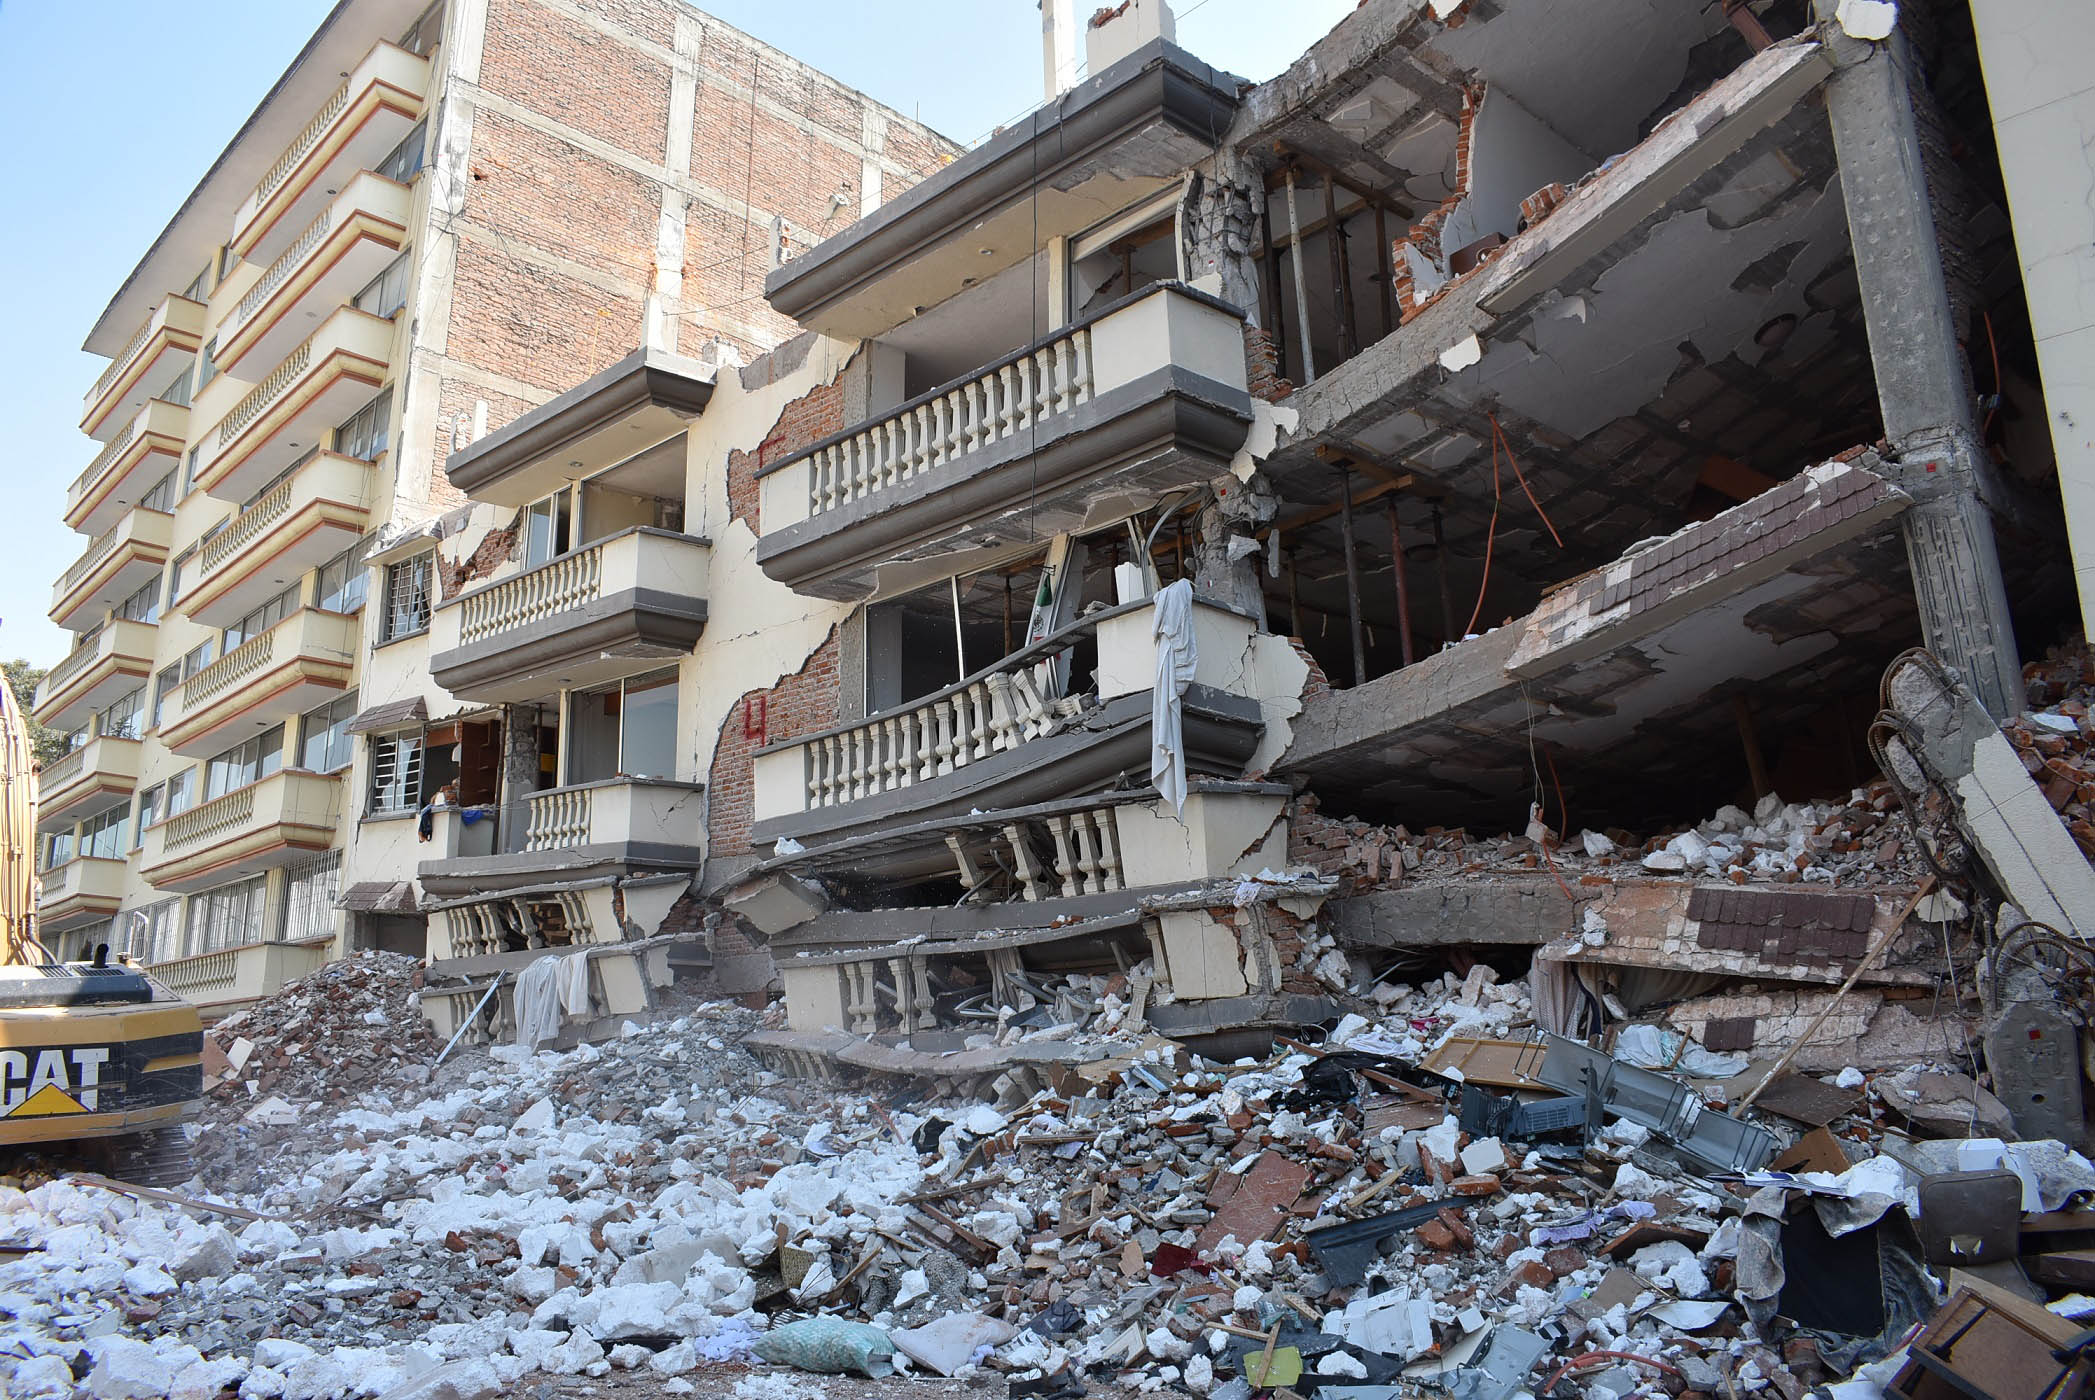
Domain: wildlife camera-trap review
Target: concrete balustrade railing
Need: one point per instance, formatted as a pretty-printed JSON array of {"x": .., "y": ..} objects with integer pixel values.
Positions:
[
  {"x": 557, "y": 819},
  {"x": 564, "y": 584},
  {"x": 1007, "y": 399}
]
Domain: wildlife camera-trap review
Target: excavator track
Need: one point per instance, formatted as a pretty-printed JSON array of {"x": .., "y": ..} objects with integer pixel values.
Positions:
[{"x": 159, "y": 1158}]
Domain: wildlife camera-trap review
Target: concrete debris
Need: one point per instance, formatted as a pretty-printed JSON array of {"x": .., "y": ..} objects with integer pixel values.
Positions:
[
  {"x": 663, "y": 1204},
  {"x": 1859, "y": 843}
]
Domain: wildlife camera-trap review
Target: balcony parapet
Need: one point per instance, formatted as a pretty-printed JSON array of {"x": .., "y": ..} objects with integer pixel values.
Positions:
[{"x": 1145, "y": 397}]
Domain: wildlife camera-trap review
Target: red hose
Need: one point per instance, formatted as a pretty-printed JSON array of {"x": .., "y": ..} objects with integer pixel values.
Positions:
[{"x": 1581, "y": 1361}]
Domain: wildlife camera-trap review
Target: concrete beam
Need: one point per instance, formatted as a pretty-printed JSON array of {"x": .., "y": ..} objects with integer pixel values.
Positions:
[{"x": 1520, "y": 912}]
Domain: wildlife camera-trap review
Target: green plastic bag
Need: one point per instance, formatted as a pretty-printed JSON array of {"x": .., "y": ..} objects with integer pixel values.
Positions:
[{"x": 830, "y": 1345}]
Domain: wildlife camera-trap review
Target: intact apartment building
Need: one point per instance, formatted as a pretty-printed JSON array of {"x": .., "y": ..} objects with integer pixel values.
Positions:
[
  {"x": 438, "y": 218},
  {"x": 1542, "y": 419}
]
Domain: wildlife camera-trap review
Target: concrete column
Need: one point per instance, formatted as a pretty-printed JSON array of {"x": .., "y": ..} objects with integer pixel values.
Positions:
[
  {"x": 519, "y": 772},
  {"x": 1922, "y": 386}
]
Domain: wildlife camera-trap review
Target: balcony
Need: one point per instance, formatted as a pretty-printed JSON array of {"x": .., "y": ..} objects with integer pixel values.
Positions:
[
  {"x": 162, "y": 347},
  {"x": 147, "y": 448},
  {"x": 102, "y": 667},
  {"x": 328, "y": 377},
  {"x": 615, "y": 608},
  {"x": 100, "y": 774},
  {"x": 1001, "y": 740},
  {"x": 1145, "y": 398},
  {"x": 227, "y": 977},
  {"x": 351, "y": 242},
  {"x": 303, "y": 661},
  {"x": 128, "y": 555},
  {"x": 302, "y": 522},
  {"x": 78, "y": 892},
  {"x": 271, "y": 822},
  {"x": 588, "y": 831},
  {"x": 353, "y": 130}
]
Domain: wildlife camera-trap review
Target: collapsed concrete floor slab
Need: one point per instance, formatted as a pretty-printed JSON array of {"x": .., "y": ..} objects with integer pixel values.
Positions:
[{"x": 1631, "y": 672}]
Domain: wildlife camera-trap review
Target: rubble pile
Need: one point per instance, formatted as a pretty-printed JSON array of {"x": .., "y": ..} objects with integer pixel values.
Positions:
[
  {"x": 1392, "y": 1207},
  {"x": 2056, "y": 739},
  {"x": 350, "y": 1027},
  {"x": 1858, "y": 842}
]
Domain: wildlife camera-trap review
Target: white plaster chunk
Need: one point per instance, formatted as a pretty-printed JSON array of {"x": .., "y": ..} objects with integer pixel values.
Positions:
[
  {"x": 1868, "y": 19},
  {"x": 1461, "y": 355}
]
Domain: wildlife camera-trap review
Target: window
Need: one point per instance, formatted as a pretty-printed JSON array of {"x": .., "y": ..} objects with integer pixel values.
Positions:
[
  {"x": 425, "y": 33},
  {"x": 188, "y": 475},
  {"x": 363, "y": 433},
  {"x": 626, "y": 728},
  {"x": 198, "y": 658},
  {"x": 200, "y": 287},
  {"x": 206, "y": 364},
  {"x": 174, "y": 575},
  {"x": 396, "y": 773},
  {"x": 154, "y": 933},
  {"x": 125, "y": 719},
  {"x": 227, "y": 261},
  {"x": 102, "y": 837},
  {"x": 80, "y": 944},
  {"x": 261, "y": 619},
  {"x": 245, "y": 763},
  {"x": 177, "y": 392},
  {"x": 407, "y": 596},
  {"x": 324, "y": 741},
  {"x": 342, "y": 582},
  {"x": 161, "y": 496},
  {"x": 165, "y": 684},
  {"x": 226, "y": 917},
  {"x": 143, "y": 605},
  {"x": 405, "y": 160},
  {"x": 152, "y": 805},
  {"x": 385, "y": 294},
  {"x": 181, "y": 793},
  {"x": 548, "y": 529},
  {"x": 58, "y": 849},
  {"x": 309, "y": 899},
  {"x": 76, "y": 739}
]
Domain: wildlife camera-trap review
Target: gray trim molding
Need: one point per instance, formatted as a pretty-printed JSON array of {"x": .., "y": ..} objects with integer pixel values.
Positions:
[
  {"x": 1157, "y": 82},
  {"x": 630, "y": 618},
  {"x": 646, "y": 378}
]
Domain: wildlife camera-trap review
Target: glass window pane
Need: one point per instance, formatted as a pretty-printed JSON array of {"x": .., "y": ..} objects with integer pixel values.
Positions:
[{"x": 650, "y": 727}]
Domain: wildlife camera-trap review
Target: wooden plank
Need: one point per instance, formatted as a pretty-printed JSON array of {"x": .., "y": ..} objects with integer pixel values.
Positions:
[{"x": 1493, "y": 1062}]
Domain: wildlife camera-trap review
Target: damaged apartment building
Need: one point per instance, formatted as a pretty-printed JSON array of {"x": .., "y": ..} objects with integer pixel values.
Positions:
[
  {"x": 1214, "y": 551},
  {"x": 1561, "y": 421}
]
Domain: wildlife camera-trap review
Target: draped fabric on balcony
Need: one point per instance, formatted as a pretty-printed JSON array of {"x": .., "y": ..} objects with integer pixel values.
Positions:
[{"x": 1176, "y": 657}]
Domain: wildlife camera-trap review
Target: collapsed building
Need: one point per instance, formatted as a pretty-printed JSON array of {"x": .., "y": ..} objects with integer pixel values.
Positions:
[
  {"x": 1556, "y": 437},
  {"x": 1559, "y": 438}
]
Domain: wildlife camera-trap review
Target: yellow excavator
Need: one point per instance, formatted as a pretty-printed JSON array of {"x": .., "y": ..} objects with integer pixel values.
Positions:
[{"x": 99, "y": 1064}]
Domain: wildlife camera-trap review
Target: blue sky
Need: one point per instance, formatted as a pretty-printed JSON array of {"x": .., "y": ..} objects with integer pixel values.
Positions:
[{"x": 119, "y": 105}]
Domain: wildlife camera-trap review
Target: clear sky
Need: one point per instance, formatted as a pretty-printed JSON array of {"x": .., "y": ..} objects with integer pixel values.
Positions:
[{"x": 118, "y": 106}]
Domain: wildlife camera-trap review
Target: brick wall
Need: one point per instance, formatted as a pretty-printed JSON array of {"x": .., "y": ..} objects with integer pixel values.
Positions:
[
  {"x": 455, "y": 576},
  {"x": 815, "y": 415},
  {"x": 1262, "y": 366},
  {"x": 556, "y": 235},
  {"x": 802, "y": 703}
]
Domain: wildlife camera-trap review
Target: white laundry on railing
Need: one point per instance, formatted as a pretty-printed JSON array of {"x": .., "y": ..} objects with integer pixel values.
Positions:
[
  {"x": 1176, "y": 655},
  {"x": 552, "y": 989}
]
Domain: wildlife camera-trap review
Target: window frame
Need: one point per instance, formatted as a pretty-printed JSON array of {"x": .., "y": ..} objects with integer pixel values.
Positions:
[
  {"x": 390, "y": 625},
  {"x": 337, "y": 732}
]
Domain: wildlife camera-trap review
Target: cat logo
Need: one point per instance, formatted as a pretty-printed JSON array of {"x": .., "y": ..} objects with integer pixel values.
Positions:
[{"x": 41, "y": 1083}]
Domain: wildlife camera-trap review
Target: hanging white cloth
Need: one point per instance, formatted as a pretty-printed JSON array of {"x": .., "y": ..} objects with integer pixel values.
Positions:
[
  {"x": 574, "y": 984},
  {"x": 1173, "y": 629},
  {"x": 537, "y": 1001}
]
